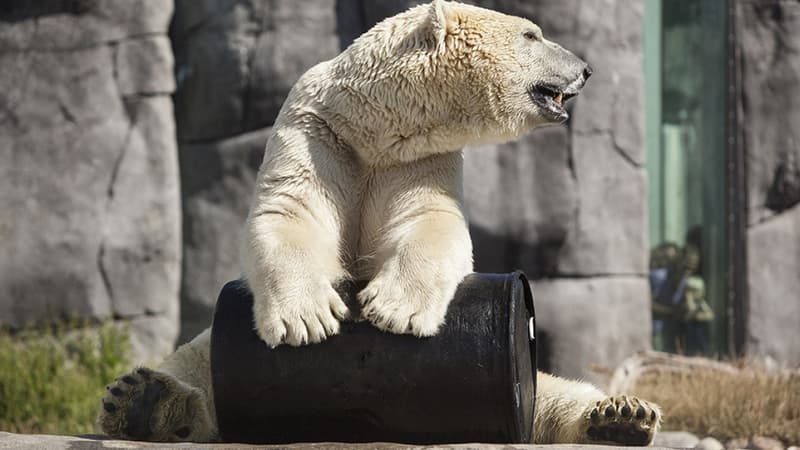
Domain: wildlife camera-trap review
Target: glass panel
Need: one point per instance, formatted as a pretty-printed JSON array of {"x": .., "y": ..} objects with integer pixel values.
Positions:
[{"x": 685, "y": 70}]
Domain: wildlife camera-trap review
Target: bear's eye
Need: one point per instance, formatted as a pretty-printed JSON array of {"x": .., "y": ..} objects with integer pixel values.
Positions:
[{"x": 531, "y": 35}]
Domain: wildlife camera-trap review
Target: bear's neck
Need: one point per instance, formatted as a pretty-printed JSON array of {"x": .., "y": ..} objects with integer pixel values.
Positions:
[{"x": 391, "y": 119}]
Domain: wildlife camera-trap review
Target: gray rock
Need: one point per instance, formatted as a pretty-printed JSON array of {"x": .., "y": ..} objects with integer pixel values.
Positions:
[
  {"x": 140, "y": 254},
  {"x": 243, "y": 57},
  {"x": 590, "y": 322},
  {"x": 70, "y": 25},
  {"x": 375, "y": 11},
  {"x": 61, "y": 131},
  {"x": 769, "y": 102},
  {"x": 610, "y": 234},
  {"x": 521, "y": 200},
  {"x": 764, "y": 443},
  {"x": 676, "y": 439},
  {"x": 709, "y": 443},
  {"x": 735, "y": 444},
  {"x": 193, "y": 14},
  {"x": 212, "y": 55},
  {"x": 773, "y": 259},
  {"x": 218, "y": 182},
  {"x": 89, "y": 171},
  {"x": 145, "y": 66},
  {"x": 755, "y": 443},
  {"x": 36, "y": 441},
  {"x": 148, "y": 343}
]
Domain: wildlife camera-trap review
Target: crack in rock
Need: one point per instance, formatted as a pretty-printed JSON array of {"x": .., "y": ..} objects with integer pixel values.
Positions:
[
  {"x": 104, "y": 274},
  {"x": 618, "y": 148}
]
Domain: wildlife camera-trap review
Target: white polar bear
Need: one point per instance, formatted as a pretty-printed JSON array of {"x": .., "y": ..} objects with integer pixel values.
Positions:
[
  {"x": 361, "y": 180},
  {"x": 362, "y": 176}
]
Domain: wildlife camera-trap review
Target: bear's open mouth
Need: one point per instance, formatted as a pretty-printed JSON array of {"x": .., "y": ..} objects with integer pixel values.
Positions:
[{"x": 552, "y": 99}]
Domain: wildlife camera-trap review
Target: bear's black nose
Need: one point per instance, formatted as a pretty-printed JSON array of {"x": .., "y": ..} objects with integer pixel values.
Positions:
[{"x": 587, "y": 72}]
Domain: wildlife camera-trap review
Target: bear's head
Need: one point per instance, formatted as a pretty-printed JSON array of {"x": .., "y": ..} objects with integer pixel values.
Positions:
[
  {"x": 524, "y": 78},
  {"x": 444, "y": 75}
]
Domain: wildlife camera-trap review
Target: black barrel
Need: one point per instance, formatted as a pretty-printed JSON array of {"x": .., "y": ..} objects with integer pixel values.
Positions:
[{"x": 472, "y": 382}]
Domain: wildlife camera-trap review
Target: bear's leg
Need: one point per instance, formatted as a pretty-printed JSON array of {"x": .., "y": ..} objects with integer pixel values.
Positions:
[
  {"x": 295, "y": 265},
  {"x": 418, "y": 245},
  {"x": 577, "y": 412},
  {"x": 173, "y": 403},
  {"x": 295, "y": 247}
]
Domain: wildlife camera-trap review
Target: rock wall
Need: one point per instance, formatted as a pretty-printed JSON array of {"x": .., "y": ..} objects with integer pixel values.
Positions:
[
  {"x": 88, "y": 166},
  {"x": 768, "y": 47},
  {"x": 566, "y": 204}
]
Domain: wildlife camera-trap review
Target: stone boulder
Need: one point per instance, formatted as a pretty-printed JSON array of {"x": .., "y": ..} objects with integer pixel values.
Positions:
[
  {"x": 591, "y": 323},
  {"x": 521, "y": 200},
  {"x": 773, "y": 260},
  {"x": 89, "y": 187},
  {"x": 770, "y": 104},
  {"x": 768, "y": 114},
  {"x": 237, "y": 60}
]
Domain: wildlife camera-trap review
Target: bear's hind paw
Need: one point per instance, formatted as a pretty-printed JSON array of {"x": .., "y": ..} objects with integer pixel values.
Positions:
[
  {"x": 622, "y": 420},
  {"x": 151, "y": 406}
]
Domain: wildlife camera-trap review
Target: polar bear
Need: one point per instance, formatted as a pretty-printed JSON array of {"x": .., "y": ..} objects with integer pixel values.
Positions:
[{"x": 361, "y": 180}]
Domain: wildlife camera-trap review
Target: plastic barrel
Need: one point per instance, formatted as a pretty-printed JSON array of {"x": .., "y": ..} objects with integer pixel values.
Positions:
[{"x": 473, "y": 382}]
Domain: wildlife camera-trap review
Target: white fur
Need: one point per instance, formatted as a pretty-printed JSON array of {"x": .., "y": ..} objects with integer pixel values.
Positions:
[
  {"x": 361, "y": 179},
  {"x": 362, "y": 176}
]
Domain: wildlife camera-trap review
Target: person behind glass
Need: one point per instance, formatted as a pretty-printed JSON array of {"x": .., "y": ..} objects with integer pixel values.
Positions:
[{"x": 681, "y": 314}]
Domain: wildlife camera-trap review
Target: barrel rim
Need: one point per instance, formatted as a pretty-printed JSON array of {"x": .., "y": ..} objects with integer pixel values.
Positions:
[{"x": 514, "y": 279}]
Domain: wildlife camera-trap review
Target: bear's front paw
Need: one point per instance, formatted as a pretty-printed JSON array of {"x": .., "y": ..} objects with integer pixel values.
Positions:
[
  {"x": 392, "y": 307},
  {"x": 300, "y": 315},
  {"x": 622, "y": 420},
  {"x": 151, "y": 406}
]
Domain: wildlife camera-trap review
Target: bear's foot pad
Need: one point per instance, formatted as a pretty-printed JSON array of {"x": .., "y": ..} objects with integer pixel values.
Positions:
[
  {"x": 622, "y": 420},
  {"x": 147, "y": 405}
]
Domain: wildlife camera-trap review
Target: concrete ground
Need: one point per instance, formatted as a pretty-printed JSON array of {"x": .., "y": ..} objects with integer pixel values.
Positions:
[{"x": 41, "y": 441}]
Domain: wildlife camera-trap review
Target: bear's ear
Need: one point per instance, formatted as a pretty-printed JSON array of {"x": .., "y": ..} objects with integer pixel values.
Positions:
[{"x": 442, "y": 19}]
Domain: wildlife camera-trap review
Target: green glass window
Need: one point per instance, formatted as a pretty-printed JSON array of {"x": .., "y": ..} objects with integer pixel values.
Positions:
[{"x": 685, "y": 57}]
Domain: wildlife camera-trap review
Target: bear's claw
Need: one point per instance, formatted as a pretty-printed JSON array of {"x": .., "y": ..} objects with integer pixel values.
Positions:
[{"x": 301, "y": 320}]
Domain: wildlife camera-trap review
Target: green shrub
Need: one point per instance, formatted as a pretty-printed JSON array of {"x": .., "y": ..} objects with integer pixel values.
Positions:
[{"x": 51, "y": 380}]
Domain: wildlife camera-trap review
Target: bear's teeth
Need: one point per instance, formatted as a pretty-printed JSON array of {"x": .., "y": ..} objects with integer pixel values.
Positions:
[{"x": 559, "y": 97}]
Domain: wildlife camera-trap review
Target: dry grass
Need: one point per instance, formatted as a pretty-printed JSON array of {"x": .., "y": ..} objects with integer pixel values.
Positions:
[{"x": 725, "y": 404}]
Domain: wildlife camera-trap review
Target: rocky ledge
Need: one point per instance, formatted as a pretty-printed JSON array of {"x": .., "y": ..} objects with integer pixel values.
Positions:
[{"x": 30, "y": 441}]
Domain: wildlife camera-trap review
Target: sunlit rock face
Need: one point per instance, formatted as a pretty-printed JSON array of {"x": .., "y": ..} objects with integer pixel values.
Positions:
[
  {"x": 769, "y": 105},
  {"x": 89, "y": 192}
]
